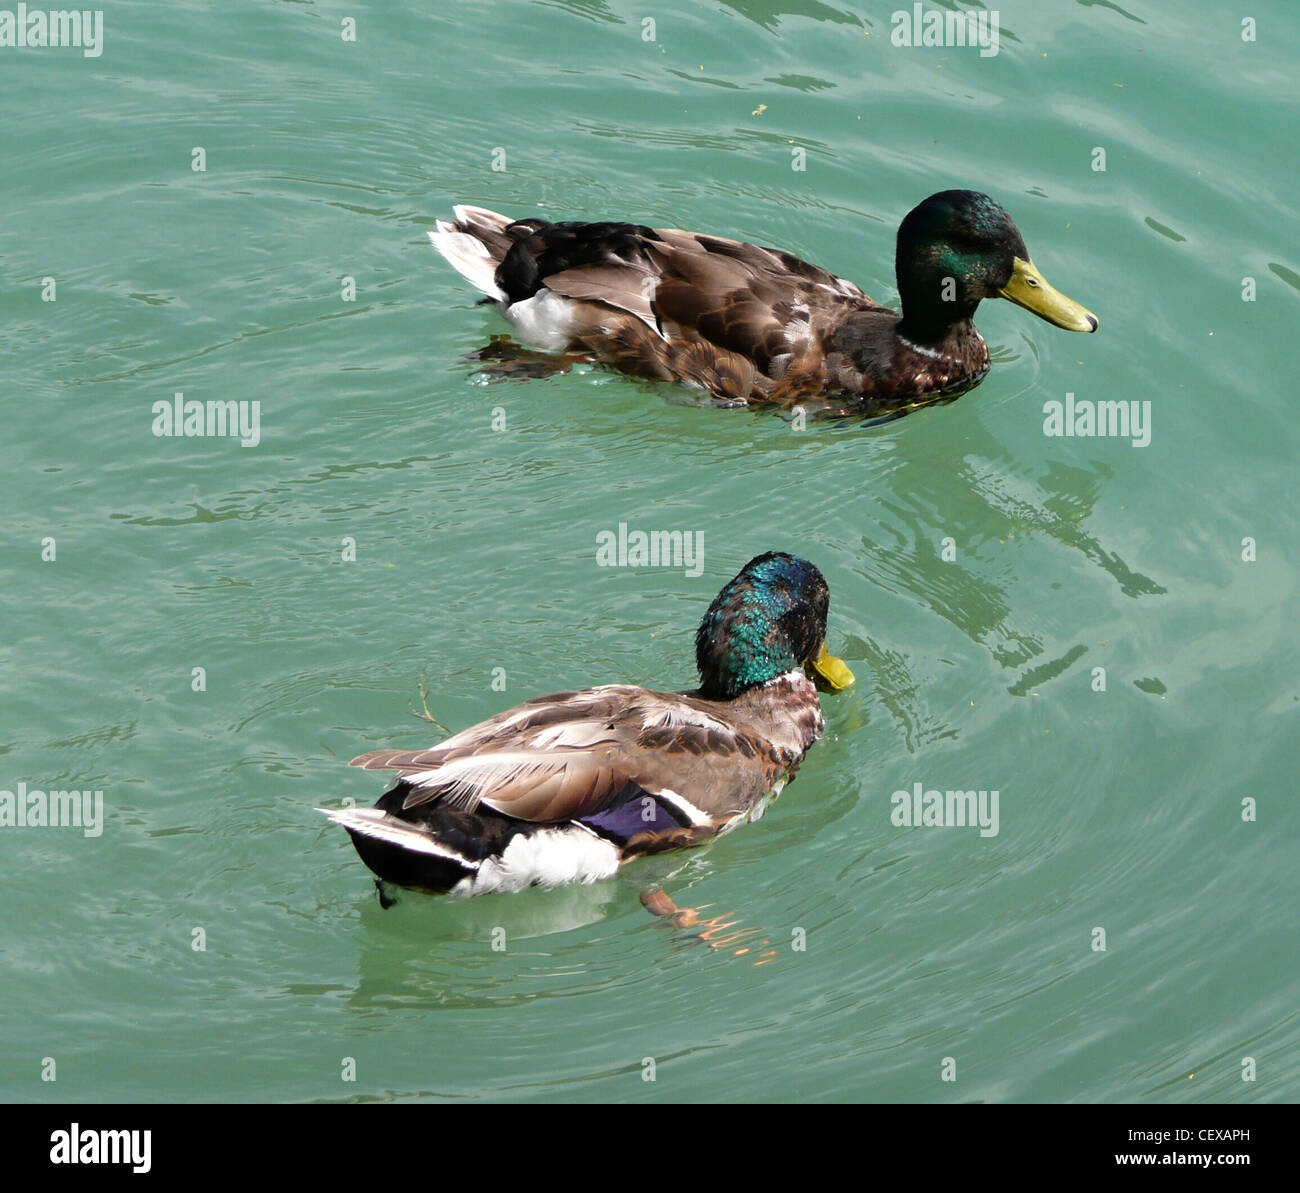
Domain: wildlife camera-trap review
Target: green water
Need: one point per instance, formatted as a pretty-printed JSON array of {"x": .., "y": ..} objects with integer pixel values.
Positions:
[{"x": 475, "y": 549}]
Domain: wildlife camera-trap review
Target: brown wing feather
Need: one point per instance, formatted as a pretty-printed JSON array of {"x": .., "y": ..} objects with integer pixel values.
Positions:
[
  {"x": 623, "y": 286},
  {"x": 562, "y": 757},
  {"x": 743, "y": 322},
  {"x": 733, "y": 318}
]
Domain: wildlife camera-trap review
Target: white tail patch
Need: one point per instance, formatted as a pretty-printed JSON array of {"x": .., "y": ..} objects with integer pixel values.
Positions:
[
  {"x": 549, "y": 857},
  {"x": 371, "y": 822},
  {"x": 469, "y": 257},
  {"x": 481, "y": 217},
  {"x": 543, "y": 321}
]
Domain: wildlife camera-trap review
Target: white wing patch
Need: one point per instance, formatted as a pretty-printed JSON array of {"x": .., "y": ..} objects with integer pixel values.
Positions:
[
  {"x": 683, "y": 805},
  {"x": 756, "y": 812},
  {"x": 679, "y": 716},
  {"x": 575, "y": 735},
  {"x": 466, "y": 781},
  {"x": 798, "y": 331}
]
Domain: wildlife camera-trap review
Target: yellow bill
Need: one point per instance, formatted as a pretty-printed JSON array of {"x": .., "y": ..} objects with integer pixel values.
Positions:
[
  {"x": 833, "y": 671},
  {"x": 1029, "y": 289}
]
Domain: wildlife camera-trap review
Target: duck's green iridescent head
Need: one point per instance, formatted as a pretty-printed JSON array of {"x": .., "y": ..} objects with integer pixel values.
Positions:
[
  {"x": 769, "y": 620},
  {"x": 958, "y": 247}
]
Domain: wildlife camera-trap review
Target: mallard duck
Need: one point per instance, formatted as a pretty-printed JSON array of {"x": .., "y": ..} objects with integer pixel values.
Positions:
[
  {"x": 565, "y": 788},
  {"x": 750, "y": 325}
]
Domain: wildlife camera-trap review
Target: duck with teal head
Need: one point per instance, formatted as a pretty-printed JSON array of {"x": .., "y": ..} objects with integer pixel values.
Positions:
[
  {"x": 567, "y": 787},
  {"x": 752, "y": 325}
]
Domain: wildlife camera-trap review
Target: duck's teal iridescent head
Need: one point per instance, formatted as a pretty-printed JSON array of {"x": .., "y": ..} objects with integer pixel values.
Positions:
[
  {"x": 769, "y": 620},
  {"x": 958, "y": 247}
]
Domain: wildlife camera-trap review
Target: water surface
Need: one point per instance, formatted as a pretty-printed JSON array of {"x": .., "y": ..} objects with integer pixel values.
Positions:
[{"x": 475, "y": 549}]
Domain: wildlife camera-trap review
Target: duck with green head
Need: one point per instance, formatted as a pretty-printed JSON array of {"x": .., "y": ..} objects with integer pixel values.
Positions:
[
  {"x": 752, "y": 325},
  {"x": 567, "y": 787}
]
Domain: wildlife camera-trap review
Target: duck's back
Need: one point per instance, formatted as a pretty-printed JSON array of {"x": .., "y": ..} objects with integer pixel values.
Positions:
[
  {"x": 742, "y": 322},
  {"x": 565, "y": 787}
]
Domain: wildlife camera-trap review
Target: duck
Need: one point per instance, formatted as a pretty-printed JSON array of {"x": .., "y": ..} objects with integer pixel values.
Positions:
[
  {"x": 566, "y": 788},
  {"x": 753, "y": 326}
]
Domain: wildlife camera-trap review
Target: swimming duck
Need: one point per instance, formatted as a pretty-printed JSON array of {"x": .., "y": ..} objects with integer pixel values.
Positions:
[
  {"x": 752, "y": 325},
  {"x": 565, "y": 788}
]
